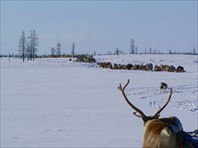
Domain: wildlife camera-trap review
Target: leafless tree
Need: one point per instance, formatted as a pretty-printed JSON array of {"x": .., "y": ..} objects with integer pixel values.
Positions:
[
  {"x": 117, "y": 51},
  {"x": 150, "y": 50},
  {"x": 53, "y": 51},
  {"x": 33, "y": 44},
  {"x": 73, "y": 50},
  {"x": 22, "y": 45},
  {"x": 132, "y": 47},
  {"x": 136, "y": 50},
  {"x": 194, "y": 51},
  {"x": 58, "y": 49}
]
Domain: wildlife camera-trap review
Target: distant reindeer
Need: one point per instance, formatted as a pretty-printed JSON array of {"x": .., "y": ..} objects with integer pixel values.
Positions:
[{"x": 158, "y": 132}]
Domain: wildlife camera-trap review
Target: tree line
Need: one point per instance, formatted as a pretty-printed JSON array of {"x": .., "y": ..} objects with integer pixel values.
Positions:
[
  {"x": 150, "y": 50},
  {"x": 57, "y": 52},
  {"x": 28, "y": 48}
]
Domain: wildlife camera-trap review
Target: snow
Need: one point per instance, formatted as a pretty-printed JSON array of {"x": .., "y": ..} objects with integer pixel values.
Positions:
[{"x": 59, "y": 103}]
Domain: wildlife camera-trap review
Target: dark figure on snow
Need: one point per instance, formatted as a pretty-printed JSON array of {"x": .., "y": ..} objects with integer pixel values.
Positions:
[{"x": 163, "y": 86}]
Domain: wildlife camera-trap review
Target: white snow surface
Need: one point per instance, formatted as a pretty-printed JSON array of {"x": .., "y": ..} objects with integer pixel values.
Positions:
[{"x": 60, "y": 103}]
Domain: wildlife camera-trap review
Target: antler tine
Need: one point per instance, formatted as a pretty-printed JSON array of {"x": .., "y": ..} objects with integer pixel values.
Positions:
[
  {"x": 126, "y": 84},
  {"x": 135, "y": 113},
  {"x": 169, "y": 97},
  {"x": 127, "y": 100},
  {"x": 120, "y": 86}
]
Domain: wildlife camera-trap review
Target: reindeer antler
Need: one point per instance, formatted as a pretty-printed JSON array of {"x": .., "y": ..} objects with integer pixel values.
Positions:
[
  {"x": 169, "y": 97},
  {"x": 127, "y": 100}
]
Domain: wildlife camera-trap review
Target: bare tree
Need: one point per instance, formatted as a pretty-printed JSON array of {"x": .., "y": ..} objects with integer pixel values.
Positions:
[
  {"x": 22, "y": 45},
  {"x": 132, "y": 47},
  {"x": 58, "y": 48},
  {"x": 150, "y": 50},
  {"x": 73, "y": 50},
  {"x": 136, "y": 50},
  {"x": 194, "y": 51},
  {"x": 53, "y": 51},
  {"x": 117, "y": 51},
  {"x": 28, "y": 51},
  {"x": 33, "y": 44}
]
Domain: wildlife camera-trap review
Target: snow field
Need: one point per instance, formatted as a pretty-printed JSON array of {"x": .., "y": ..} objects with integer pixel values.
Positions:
[{"x": 58, "y": 103}]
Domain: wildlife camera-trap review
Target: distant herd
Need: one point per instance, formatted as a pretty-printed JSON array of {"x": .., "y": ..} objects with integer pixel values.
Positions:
[{"x": 147, "y": 67}]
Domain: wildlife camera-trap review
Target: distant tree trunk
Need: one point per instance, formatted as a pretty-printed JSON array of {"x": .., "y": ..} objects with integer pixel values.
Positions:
[
  {"x": 136, "y": 50},
  {"x": 73, "y": 50},
  {"x": 150, "y": 50},
  {"x": 194, "y": 51},
  {"x": 117, "y": 51},
  {"x": 28, "y": 51},
  {"x": 53, "y": 51},
  {"x": 22, "y": 45},
  {"x": 58, "y": 48},
  {"x": 132, "y": 47},
  {"x": 33, "y": 44}
]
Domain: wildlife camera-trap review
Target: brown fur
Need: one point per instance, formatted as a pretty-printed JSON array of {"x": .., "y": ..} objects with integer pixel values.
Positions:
[{"x": 159, "y": 133}]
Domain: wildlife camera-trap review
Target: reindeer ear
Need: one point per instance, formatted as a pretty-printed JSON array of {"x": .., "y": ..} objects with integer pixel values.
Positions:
[{"x": 166, "y": 132}]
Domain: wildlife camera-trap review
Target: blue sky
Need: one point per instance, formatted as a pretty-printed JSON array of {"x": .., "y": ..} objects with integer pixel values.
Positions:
[{"x": 101, "y": 26}]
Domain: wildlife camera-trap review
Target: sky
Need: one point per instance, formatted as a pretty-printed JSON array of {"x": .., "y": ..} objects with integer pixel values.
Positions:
[{"x": 101, "y": 26}]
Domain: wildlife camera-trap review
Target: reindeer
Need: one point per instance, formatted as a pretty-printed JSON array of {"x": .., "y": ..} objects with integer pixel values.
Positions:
[{"x": 158, "y": 132}]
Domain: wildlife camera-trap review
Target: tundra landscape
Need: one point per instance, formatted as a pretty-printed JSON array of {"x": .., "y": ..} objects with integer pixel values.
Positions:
[
  {"x": 99, "y": 73},
  {"x": 57, "y": 102}
]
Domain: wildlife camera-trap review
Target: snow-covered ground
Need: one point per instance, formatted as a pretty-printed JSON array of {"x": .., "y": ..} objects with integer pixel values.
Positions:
[{"x": 59, "y": 103}]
